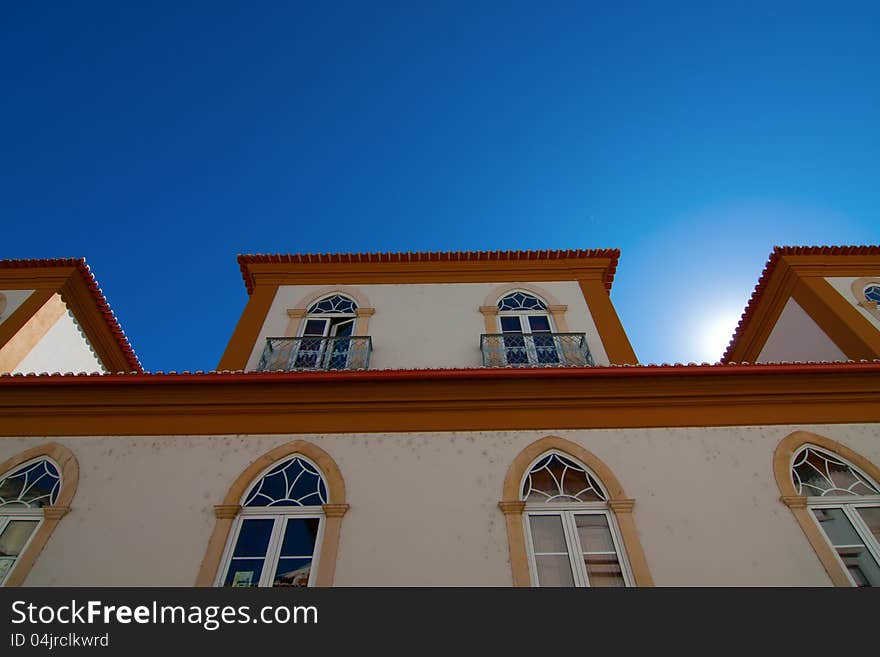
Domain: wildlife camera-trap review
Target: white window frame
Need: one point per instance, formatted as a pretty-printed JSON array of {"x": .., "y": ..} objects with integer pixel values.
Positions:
[
  {"x": 280, "y": 515},
  {"x": 567, "y": 511},
  {"x": 848, "y": 504},
  {"x": 8, "y": 515}
]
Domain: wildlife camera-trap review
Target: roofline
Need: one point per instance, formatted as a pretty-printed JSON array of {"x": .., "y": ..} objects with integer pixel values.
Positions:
[
  {"x": 401, "y": 257},
  {"x": 770, "y": 267},
  {"x": 96, "y": 294},
  {"x": 484, "y": 373}
]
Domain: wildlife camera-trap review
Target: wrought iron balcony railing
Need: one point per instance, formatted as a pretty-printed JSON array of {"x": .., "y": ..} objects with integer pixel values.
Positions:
[
  {"x": 316, "y": 353},
  {"x": 535, "y": 350}
]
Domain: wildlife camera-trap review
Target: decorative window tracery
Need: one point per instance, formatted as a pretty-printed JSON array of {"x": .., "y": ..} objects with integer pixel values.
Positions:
[
  {"x": 817, "y": 473},
  {"x": 872, "y": 293},
  {"x": 334, "y": 304},
  {"x": 558, "y": 479},
  {"x": 278, "y": 533},
  {"x": 33, "y": 485},
  {"x": 521, "y": 301}
]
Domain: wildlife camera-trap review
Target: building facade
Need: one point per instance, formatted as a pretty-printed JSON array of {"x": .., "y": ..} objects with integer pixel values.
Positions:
[{"x": 444, "y": 419}]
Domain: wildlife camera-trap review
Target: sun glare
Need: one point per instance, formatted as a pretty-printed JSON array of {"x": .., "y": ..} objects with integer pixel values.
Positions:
[{"x": 713, "y": 334}]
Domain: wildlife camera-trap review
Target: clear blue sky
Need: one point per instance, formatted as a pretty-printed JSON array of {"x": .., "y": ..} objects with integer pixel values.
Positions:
[{"x": 161, "y": 141}]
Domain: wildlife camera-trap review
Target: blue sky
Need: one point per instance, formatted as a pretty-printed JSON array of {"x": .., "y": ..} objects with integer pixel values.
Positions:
[{"x": 159, "y": 141}]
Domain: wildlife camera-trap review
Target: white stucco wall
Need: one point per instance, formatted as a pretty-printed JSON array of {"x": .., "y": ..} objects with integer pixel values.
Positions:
[
  {"x": 13, "y": 298},
  {"x": 797, "y": 337},
  {"x": 64, "y": 348},
  {"x": 429, "y": 325},
  {"x": 843, "y": 284},
  {"x": 424, "y": 505}
]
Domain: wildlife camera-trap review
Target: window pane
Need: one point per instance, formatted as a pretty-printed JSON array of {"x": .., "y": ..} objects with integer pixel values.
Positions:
[
  {"x": 604, "y": 570},
  {"x": 253, "y": 539},
  {"x": 547, "y": 534},
  {"x": 299, "y": 537},
  {"x": 244, "y": 572},
  {"x": 871, "y": 516},
  {"x": 292, "y": 572},
  {"x": 554, "y": 570},
  {"x": 510, "y": 325},
  {"x": 837, "y": 527},
  {"x": 594, "y": 533},
  {"x": 861, "y": 566},
  {"x": 539, "y": 323},
  {"x": 15, "y": 535},
  {"x": 315, "y": 327}
]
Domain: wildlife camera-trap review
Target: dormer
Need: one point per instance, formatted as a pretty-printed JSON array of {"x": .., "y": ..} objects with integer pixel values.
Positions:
[
  {"x": 812, "y": 304},
  {"x": 54, "y": 318},
  {"x": 428, "y": 310}
]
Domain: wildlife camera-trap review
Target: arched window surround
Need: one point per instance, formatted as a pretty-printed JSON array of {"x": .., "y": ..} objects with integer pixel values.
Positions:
[
  {"x": 67, "y": 466},
  {"x": 858, "y": 289},
  {"x": 489, "y": 309},
  {"x": 782, "y": 464},
  {"x": 299, "y": 312},
  {"x": 229, "y": 510},
  {"x": 620, "y": 507}
]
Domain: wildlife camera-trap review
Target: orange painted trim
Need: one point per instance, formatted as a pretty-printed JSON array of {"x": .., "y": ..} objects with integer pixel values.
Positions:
[
  {"x": 621, "y": 507},
  {"x": 782, "y": 460},
  {"x": 489, "y": 399},
  {"x": 334, "y": 510},
  {"x": 20, "y": 317},
  {"x": 68, "y": 468},
  {"x": 244, "y": 338},
  {"x": 853, "y": 334},
  {"x": 614, "y": 338},
  {"x": 16, "y": 349},
  {"x": 785, "y": 267},
  {"x": 73, "y": 279}
]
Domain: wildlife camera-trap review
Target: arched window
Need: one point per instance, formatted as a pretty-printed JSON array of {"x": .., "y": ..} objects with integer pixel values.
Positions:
[
  {"x": 527, "y": 330},
  {"x": 325, "y": 333},
  {"x": 845, "y": 504},
  {"x": 571, "y": 534},
  {"x": 277, "y": 535},
  {"x": 23, "y": 493},
  {"x": 872, "y": 292}
]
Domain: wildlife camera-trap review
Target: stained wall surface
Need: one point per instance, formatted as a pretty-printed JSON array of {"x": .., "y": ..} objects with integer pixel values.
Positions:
[{"x": 424, "y": 505}]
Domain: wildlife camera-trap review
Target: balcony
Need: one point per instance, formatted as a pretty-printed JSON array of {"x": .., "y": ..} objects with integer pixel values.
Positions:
[
  {"x": 316, "y": 353},
  {"x": 535, "y": 350}
]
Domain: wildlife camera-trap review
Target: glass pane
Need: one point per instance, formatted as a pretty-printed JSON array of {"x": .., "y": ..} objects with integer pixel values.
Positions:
[
  {"x": 604, "y": 570},
  {"x": 871, "y": 516},
  {"x": 861, "y": 566},
  {"x": 315, "y": 327},
  {"x": 6, "y": 564},
  {"x": 547, "y": 534},
  {"x": 253, "y": 539},
  {"x": 15, "y": 535},
  {"x": 539, "y": 323},
  {"x": 594, "y": 534},
  {"x": 292, "y": 572},
  {"x": 299, "y": 537},
  {"x": 837, "y": 527},
  {"x": 554, "y": 570},
  {"x": 816, "y": 473},
  {"x": 510, "y": 325},
  {"x": 244, "y": 572}
]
